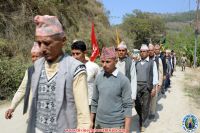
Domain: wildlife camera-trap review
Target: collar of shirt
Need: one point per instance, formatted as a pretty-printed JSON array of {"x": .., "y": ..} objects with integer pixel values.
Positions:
[
  {"x": 52, "y": 68},
  {"x": 52, "y": 64},
  {"x": 145, "y": 60},
  {"x": 121, "y": 60},
  {"x": 158, "y": 55},
  {"x": 153, "y": 58},
  {"x": 114, "y": 73}
]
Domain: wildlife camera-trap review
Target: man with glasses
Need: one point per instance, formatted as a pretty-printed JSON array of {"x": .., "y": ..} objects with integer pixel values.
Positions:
[{"x": 147, "y": 77}]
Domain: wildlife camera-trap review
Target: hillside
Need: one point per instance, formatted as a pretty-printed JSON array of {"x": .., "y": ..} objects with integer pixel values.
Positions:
[
  {"x": 17, "y": 32},
  {"x": 179, "y": 17},
  {"x": 176, "y": 21},
  {"x": 180, "y": 29},
  {"x": 16, "y": 20}
]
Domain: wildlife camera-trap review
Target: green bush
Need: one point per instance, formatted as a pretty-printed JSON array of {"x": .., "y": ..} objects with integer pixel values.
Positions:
[{"x": 11, "y": 75}]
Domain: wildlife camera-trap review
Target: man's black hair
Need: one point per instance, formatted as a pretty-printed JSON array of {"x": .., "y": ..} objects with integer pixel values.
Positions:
[{"x": 79, "y": 45}]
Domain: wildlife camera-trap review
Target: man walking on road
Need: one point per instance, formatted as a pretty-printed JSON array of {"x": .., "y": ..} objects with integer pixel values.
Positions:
[
  {"x": 147, "y": 77},
  {"x": 153, "y": 103},
  {"x": 59, "y": 86},
  {"x": 78, "y": 50},
  {"x": 183, "y": 62},
  {"x": 161, "y": 63},
  {"x": 127, "y": 66},
  {"x": 169, "y": 69},
  {"x": 111, "y": 101}
]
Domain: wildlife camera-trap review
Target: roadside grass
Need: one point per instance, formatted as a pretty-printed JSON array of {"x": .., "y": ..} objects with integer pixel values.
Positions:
[
  {"x": 3, "y": 102},
  {"x": 192, "y": 84}
]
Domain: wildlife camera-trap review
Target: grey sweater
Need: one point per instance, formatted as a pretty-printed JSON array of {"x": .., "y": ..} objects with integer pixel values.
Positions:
[{"x": 111, "y": 100}]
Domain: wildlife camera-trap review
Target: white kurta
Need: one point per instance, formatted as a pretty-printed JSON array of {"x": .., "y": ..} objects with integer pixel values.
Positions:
[
  {"x": 121, "y": 67},
  {"x": 92, "y": 71}
]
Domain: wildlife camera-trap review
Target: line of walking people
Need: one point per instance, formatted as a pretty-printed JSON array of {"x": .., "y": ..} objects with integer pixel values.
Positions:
[
  {"x": 63, "y": 92},
  {"x": 150, "y": 74}
]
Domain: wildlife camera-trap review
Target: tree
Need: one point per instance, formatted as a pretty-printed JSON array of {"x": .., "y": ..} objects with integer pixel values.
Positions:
[
  {"x": 143, "y": 27},
  {"x": 182, "y": 42},
  {"x": 17, "y": 31}
]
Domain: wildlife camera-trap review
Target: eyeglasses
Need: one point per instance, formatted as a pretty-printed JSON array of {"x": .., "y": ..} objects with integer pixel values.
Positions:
[{"x": 142, "y": 51}]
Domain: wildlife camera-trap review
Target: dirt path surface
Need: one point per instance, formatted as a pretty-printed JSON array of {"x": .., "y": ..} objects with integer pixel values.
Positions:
[
  {"x": 171, "y": 109},
  {"x": 170, "y": 112},
  {"x": 15, "y": 125}
]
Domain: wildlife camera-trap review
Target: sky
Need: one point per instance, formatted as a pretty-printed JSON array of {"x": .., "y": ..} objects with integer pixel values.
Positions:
[{"x": 118, "y": 8}]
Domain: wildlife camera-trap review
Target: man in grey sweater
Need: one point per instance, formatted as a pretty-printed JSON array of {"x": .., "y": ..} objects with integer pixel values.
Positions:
[{"x": 111, "y": 102}]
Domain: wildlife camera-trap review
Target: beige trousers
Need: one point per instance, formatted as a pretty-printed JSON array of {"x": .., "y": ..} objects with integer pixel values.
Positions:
[
  {"x": 153, "y": 104},
  {"x": 113, "y": 130}
]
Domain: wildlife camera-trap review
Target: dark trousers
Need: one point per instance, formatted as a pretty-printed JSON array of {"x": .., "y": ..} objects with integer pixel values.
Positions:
[
  {"x": 142, "y": 103},
  {"x": 163, "y": 87},
  {"x": 167, "y": 82}
]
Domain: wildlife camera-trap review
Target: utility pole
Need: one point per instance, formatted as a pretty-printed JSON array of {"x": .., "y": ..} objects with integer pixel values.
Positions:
[{"x": 196, "y": 33}]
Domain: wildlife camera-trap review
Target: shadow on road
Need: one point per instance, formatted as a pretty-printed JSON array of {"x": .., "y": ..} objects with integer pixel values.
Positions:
[{"x": 135, "y": 118}]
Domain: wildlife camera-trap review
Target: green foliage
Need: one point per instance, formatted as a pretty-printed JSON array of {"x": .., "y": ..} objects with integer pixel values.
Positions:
[
  {"x": 183, "y": 43},
  {"x": 180, "y": 35},
  {"x": 179, "y": 17},
  {"x": 16, "y": 21},
  {"x": 17, "y": 31},
  {"x": 176, "y": 31},
  {"x": 11, "y": 74},
  {"x": 143, "y": 28}
]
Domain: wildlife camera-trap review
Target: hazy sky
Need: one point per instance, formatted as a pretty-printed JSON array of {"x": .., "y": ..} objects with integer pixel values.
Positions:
[{"x": 118, "y": 8}]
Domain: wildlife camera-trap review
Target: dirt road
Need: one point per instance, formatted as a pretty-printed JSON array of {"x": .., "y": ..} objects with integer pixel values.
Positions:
[
  {"x": 170, "y": 112},
  {"x": 171, "y": 109},
  {"x": 17, "y": 124}
]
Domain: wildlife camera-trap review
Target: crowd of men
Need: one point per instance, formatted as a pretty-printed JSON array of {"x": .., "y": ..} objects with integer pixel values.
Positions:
[{"x": 63, "y": 92}]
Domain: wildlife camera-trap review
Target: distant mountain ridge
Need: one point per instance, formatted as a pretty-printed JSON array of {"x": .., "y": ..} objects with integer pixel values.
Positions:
[
  {"x": 176, "y": 21},
  {"x": 177, "y": 17}
]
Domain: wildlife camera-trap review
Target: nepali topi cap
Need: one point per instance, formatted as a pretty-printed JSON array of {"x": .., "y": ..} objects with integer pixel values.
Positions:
[
  {"x": 108, "y": 52},
  {"x": 35, "y": 48},
  {"x": 168, "y": 51},
  {"x": 151, "y": 45},
  {"x": 122, "y": 45},
  {"x": 47, "y": 25},
  {"x": 144, "y": 47}
]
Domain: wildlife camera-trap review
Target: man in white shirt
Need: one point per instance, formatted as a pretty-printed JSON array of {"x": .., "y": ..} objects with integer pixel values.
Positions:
[
  {"x": 78, "y": 51},
  {"x": 127, "y": 66},
  {"x": 157, "y": 87},
  {"x": 147, "y": 78}
]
